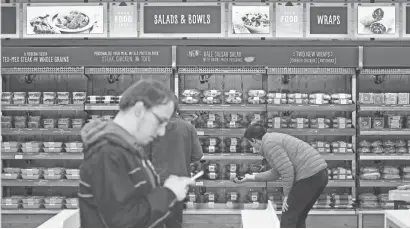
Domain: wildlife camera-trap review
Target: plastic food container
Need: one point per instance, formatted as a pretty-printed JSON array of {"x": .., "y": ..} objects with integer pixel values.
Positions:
[
  {"x": 33, "y": 144},
  {"x": 6, "y": 125},
  {"x": 30, "y": 177},
  {"x": 53, "y": 177},
  {"x": 20, "y": 118},
  {"x": 34, "y": 101},
  {"x": 19, "y": 94},
  {"x": 79, "y": 95},
  {"x": 63, "y": 95},
  {"x": 48, "y": 101},
  {"x": 49, "y": 95},
  {"x": 12, "y": 144},
  {"x": 63, "y": 101},
  {"x": 6, "y": 118},
  {"x": 12, "y": 170},
  {"x": 9, "y": 176},
  {"x": 53, "y": 144},
  {"x": 74, "y": 150},
  {"x": 9, "y": 150},
  {"x": 49, "y": 123},
  {"x": 34, "y": 95},
  {"x": 6, "y": 95},
  {"x": 32, "y": 171},
  {"x": 53, "y": 150},
  {"x": 32, "y": 202},
  {"x": 19, "y": 101},
  {"x": 74, "y": 144},
  {"x": 20, "y": 125},
  {"x": 54, "y": 202},
  {"x": 53, "y": 171},
  {"x": 34, "y": 118},
  {"x": 10, "y": 203},
  {"x": 77, "y": 123},
  {"x": 72, "y": 171},
  {"x": 71, "y": 203},
  {"x": 33, "y": 124}
]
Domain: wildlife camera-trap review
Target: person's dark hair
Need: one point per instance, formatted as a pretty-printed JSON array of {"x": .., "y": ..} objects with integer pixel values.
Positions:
[
  {"x": 150, "y": 92},
  {"x": 176, "y": 112},
  {"x": 256, "y": 131}
]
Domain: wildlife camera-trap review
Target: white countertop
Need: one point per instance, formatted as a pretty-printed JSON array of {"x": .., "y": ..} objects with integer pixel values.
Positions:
[{"x": 400, "y": 217}]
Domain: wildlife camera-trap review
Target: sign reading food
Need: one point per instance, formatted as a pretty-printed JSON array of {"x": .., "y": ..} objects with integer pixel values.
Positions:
[
  {"x": 9, "y": 20},
  {"x": 64, "y": 20},
  {"x": 181, "y": 20},
  {"x": 376, "y": 20},
  {"x": 289, "y": 20},
  {"x": 246, "y": 19},
  {"x": 123, "y": 20},
  {"x": 328, "y": 20}
]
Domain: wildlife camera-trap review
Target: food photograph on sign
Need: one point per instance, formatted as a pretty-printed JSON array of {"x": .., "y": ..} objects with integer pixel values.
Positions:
[
  {"x": 251, "y": 19},
  {"x": 68, "y": 20},
  {"x": 376, "y": 20}
]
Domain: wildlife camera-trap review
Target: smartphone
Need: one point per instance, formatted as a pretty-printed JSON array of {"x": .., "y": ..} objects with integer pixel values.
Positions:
[{"x": 198, "y": 175}]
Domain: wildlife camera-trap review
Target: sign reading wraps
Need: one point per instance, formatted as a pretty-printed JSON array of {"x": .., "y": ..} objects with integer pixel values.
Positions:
[
  {"x": 123, "y": 20},
  {"x": 182, "y": 20},
  {"x": 10, "y": 20},
  {"x": 146, "y": 56},
  {"x": 268, "y": 56},
  {"x": 289, "y": 20},
  {"x": 328, "y": 20}
]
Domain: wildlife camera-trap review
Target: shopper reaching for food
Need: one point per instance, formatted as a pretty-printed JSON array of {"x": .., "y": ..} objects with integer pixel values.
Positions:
[{"x": 301, "y": 168}]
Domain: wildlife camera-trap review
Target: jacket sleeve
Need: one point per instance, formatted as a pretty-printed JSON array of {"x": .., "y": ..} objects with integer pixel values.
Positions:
[
  {"x": 270, "y": 175},
  {"x": 120, "y": 202},
  {"x": 279, "y": 159},
  {"x": 196, "y": 153}
]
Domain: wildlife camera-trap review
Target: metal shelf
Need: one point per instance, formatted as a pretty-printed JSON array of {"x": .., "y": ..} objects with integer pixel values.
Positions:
[
  {"x": 101, "y": 107},
  {"x": 42, "y": 156},
  {"x": 40, "y": 183},
  {"x": 338, "y": 157},
  {"x": 224, "y": 107},
  {"x": 43, "y": 107},
  {"x": 328, "y": 108},
  {"x": 30, "y": 211},
  {"x": 364, "y": 107},
  {"x": 385, "y": 132},
  {"x": 228, "y": 184},
  {"x": 318, "y": 132},
  {"x": 232, "y": 156},
  {"x": 40, "y": 131},
  {"x": 383, "y": 183},
  {"x": 221, "y": 132},
  {"x": 369, "y": 157},
  {"x": 331, "y": 183}
]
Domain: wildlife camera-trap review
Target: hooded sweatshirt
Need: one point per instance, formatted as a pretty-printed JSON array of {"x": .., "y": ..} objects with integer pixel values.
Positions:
[
  {"x": 176, "y": 150},
  {"x": 290, "y": 158},
  {"x": 118, "y": 185}
]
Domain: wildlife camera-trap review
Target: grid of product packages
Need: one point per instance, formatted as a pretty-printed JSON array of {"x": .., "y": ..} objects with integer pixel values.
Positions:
[{"x": 275, "y": 20}]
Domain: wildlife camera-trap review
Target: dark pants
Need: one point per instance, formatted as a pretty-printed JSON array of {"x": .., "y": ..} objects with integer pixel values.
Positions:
[
  {"x": 301, "y": 198},
  {"x": 175, "y": 218}
]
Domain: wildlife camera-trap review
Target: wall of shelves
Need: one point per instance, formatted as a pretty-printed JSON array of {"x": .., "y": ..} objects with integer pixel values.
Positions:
[{"x": 345, "y": 80}]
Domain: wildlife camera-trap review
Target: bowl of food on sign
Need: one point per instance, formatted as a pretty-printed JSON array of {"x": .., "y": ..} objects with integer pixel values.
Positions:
[
  {"x": 256, "y": 22},
  {"x": 72, "y": 22},
  {"x": 249, "y": 59}
]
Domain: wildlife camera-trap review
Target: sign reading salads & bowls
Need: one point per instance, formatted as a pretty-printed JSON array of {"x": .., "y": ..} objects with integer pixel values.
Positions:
[
  {"x": 406, "y": 21},
  {"x": 250, "y": 20},
  {"x": 64, "y": 20},
  {"x": 175, "y": 20}
]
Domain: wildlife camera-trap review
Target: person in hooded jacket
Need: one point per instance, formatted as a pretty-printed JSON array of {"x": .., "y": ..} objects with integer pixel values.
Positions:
[
  {"x": 172, "y": 154},
  {"x": 118, "y": 185},
  {"x": 302, "y": 169}
]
